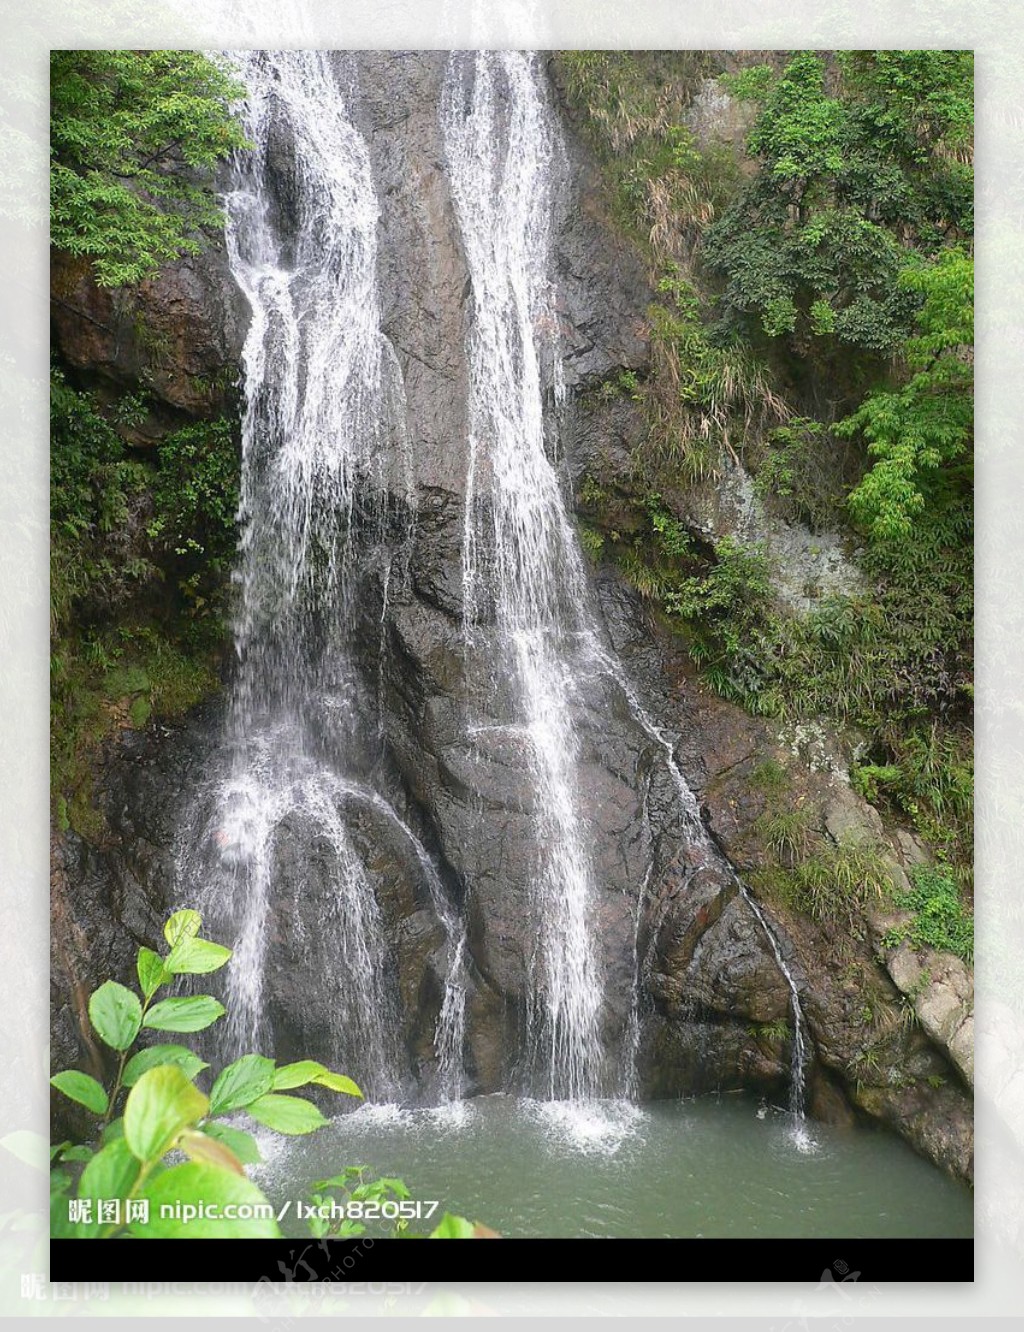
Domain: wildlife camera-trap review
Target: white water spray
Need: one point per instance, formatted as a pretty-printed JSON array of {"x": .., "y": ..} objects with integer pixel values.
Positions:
[
  {"x": 323, "y": 443},
  {"x": 518, "y": 541}
]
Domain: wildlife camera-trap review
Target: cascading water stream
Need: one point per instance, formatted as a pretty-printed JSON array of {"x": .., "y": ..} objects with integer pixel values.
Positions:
[
  {"x": 518, "y": 543},
  {"x": 324, "y": 446},
  {"x": 500, "y": 144},
  {"x": 322, "y": 433},
  {"x": 700, "y": 838}
]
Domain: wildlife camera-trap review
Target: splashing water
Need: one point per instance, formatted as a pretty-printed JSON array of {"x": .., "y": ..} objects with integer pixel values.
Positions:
[
  {"x": 518, "y": 542},
  {"x": 500, "y": 144},
  {"x": 702, "y": 840},
  {"x": 324, "y": 443},
  {"x": 322, "y": 431}
]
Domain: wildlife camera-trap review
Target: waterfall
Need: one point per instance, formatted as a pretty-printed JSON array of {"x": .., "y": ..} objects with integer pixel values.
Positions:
[
  {"x": 501, "y": 145},
  {"x": 323, "y": 429},
  {"x": 700, "y": 838},
  {"x": 500, "y": 142},
  {"x": 326, "y": 453}
]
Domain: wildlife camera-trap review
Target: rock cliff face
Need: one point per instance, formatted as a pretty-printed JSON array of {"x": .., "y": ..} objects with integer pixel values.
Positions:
[{"x": 708, "y": 982}]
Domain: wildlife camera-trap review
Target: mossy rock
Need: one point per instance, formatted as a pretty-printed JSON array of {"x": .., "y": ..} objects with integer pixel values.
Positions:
[{"x": 124, "y": 681}]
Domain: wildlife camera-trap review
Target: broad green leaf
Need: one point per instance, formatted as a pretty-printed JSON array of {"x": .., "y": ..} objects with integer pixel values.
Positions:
[
  {"x": 191, "y": 1014},
  {"x": 82, "y": 1088},
  {"x": 159, "y": 1106},
  {"x": 396, "y": 1186},
  {"x": 116, "y": 1014},
  {"x": 338, "y": 1082},
  {"x": 308, "y": 1070},
  {"x": 241, "y": 1083},
  {"x": 297, "y": 1075},
  {"x": 452, "y": 1227},
  {"x": 110, "y": 1174},
  {"x": 242, "y": 1144},
  {"x": 79, "y": 1153},
  {"x": 60, "y": 1181},
  {"x": 55, "y": 1148},
  {"x": 61, "y": 1227},
  {"x": 341, "y": 1180},
  {"x": 32, "y": 1148},
  {"x": 197, "y": 1182},
  {"x": 187, "y": 1060},
  {"x": 113, "y": 1130},
  {"x": 286, "y": 1114},
  {"x": 152, "y": 972},
  {"x": 196, "y": 957},
  {"x": 201, "y": 1147},
  {"x": 182, "y": 925}
]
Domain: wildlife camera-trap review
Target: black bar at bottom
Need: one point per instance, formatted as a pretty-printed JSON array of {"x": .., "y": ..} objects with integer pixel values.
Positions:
[{"x": 304, "y": 1260}]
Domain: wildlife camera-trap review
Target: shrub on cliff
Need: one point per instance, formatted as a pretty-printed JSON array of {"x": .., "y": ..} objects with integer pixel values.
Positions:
[{"x": 130, "y": 133}]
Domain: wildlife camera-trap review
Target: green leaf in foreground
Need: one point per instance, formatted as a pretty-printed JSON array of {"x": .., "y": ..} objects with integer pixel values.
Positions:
[
  {"x": 82, "y": 1088},
  {"x": 182, "y": 925},
  {"x": 287, "y": 1114},
  {"x": 241, "y": 1083},
  {"x": 152, "y": 973},
  {"x": 78, "y": 1153},
  {"x": 198, "y": 1182},
  {"x": 187, "y": 1060},
  {"x": 113, "y": 1130},
  {"x": 201, "y": 1147},
  {"x": 305, "y": 1071},
  {"x": 191, "y": 1014},
  {"x": 159, "y": 1106},
  {"x": 196, "y": 957},
  {"x": 110, "y": 1174},
  {"x": 242, "y": 1144},
  {"x": 453, "y": 1227},
  {"x": 116, "y": 1014}
]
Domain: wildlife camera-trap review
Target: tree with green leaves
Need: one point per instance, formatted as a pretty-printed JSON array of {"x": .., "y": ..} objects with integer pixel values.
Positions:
[
  {"x": 919, "y": 435},
  {"x": 863, "y": 161},
  {"x": 134, "y": 136}
]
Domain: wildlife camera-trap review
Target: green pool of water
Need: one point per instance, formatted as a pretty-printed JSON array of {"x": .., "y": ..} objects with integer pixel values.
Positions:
[{"x": 715, "y": 1167}]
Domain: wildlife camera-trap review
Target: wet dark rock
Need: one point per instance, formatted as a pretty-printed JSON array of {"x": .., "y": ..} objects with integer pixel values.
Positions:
[{"x": 178, "y": 337}]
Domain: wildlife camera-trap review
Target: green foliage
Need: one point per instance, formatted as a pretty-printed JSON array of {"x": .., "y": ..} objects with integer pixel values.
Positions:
[
  {"x": 857, "y": 171},
  {"x": 920, "y": 434},
  {"x": 354, "y": 1201},
  {"x": 97, "y": 496},
  {"x": 665, "y": 191},
  {"x": 164, "y": 1114},
  {"x": 870, "y": 780},
  {"x": 138, "y": 549},
  {"x": 134, "y": 136},
  {"x": 786, "y": 833},
  {"x": 726, "y": 599},
  {"x": 770, "y": 777},
  {"x": 123, "y": 521},
  {"x": 195, "y": 497},
  {"x": 163, "y": 1110},
  {"x": 592, "y": 542},
  {"x": 836, "y": 881},
  {"x": 773, "y": 1033},
  {"x": 631, "y": 106},
  {"x": 115, "y": 1014},
  {"x": 749, "y": 85},
  {"x": 704, "y": 394},
  {"x": 940, "y": 919},
  {"x": 140, "y": 535},
  {"x": 799, "y": 466}
]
